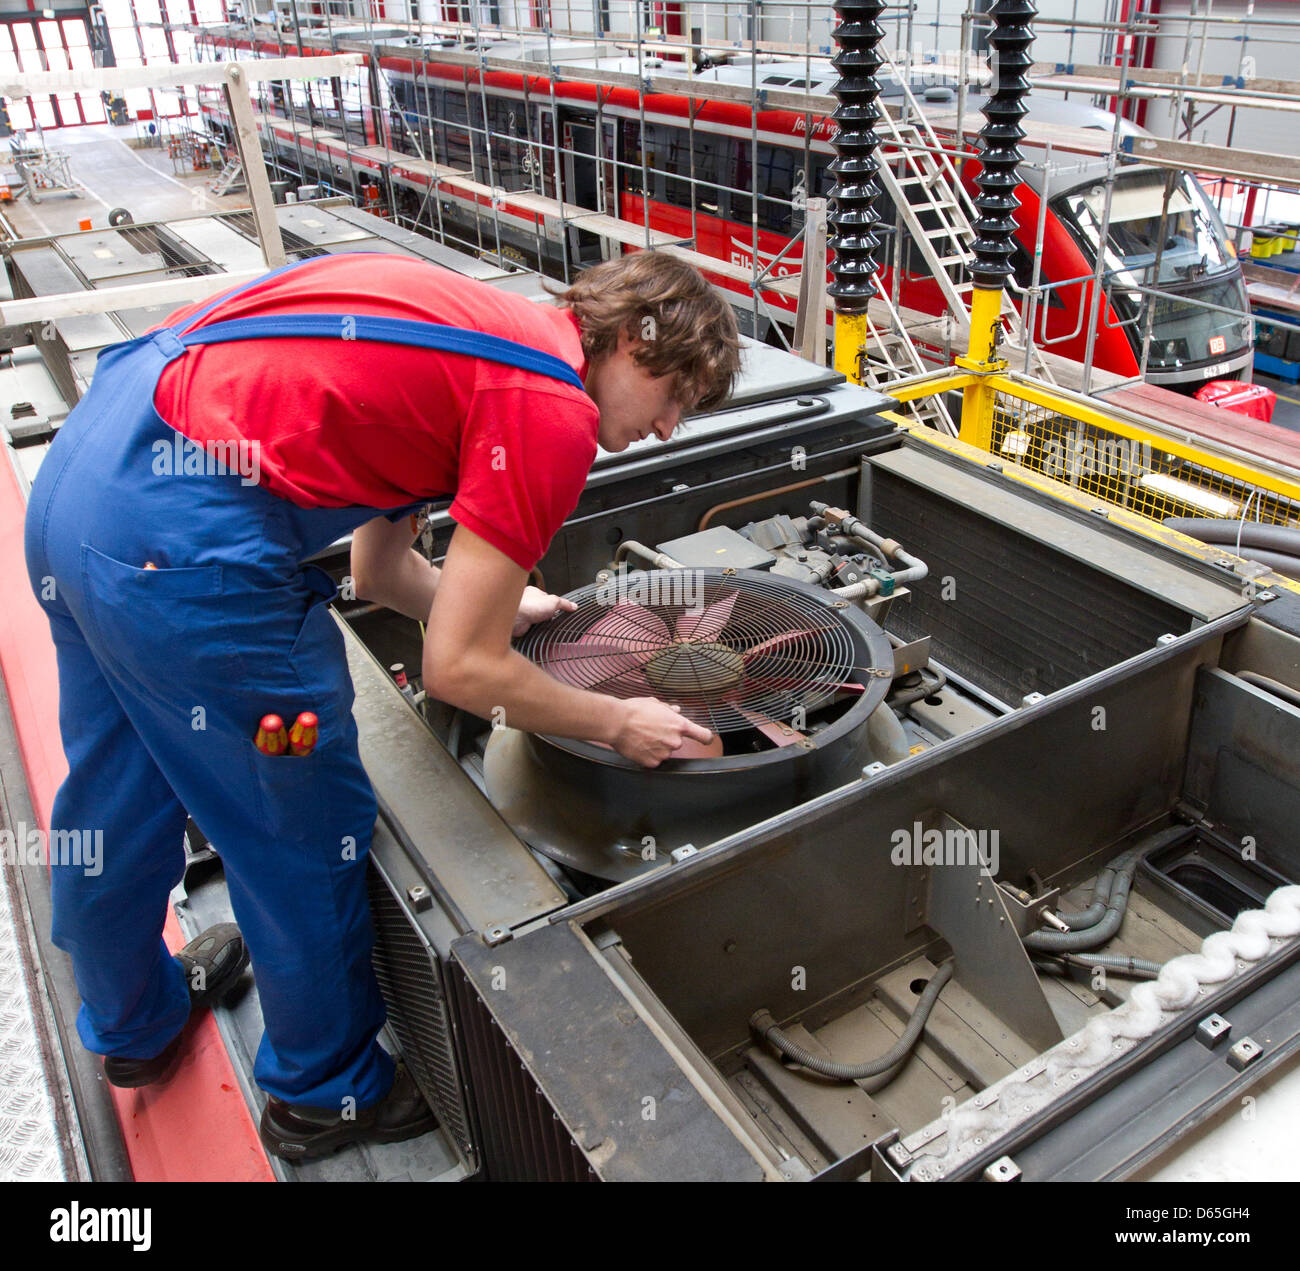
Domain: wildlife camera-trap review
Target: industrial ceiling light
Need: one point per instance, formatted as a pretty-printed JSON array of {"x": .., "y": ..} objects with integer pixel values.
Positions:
[{"x": 1204, "y": 501}]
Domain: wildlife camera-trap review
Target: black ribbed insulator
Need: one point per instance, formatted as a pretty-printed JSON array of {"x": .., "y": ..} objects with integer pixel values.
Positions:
[
  {"x": 852, "y": 215},
  {"x": 996, "y": 227}
]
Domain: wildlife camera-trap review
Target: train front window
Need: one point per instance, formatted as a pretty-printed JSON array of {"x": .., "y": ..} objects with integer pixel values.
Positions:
[
  {"x": 1175, "y": 247},
  {"x": 1193, "y": 243}
]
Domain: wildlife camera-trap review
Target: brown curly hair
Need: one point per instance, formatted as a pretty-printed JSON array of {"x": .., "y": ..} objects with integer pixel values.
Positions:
[{"x": 685, "y": 328}]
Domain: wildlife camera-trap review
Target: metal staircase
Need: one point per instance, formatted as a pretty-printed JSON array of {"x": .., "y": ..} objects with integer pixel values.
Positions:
[
  {"x": 230, "y": 179},
  {"x": 937, "y": 212},
  {"x": 890, "y": 356}
]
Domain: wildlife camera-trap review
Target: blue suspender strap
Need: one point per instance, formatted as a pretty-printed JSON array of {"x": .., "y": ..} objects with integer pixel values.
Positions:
[
  {"x": 424, "y": 335},
  {"x": 223, "y": 296}
]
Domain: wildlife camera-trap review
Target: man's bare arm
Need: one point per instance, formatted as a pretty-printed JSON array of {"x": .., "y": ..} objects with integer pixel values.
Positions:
[{"x": 387, "y": 571}]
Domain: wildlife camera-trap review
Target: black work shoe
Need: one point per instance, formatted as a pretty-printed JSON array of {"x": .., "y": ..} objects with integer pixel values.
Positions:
[
  {"x": 129, "y": 1074},
  {"x": 297, "y": 1133},
  {"x": 212, "y": 962}
]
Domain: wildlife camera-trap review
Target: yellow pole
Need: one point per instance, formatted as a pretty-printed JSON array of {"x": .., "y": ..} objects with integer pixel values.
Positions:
[
  {"x": 981, "y": 355},
  {"x": 995, "y": 229},
  {"x": 985, "y": 318},
  {"x": 850, "y": 340}
]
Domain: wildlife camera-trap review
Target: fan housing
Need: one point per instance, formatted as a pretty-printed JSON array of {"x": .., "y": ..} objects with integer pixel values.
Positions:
[{"x": 745, "y": 654}]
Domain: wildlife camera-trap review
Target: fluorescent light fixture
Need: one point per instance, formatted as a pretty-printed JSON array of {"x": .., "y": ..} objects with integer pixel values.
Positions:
[
  {"x": 1015, "y": 445},
  {"x": 1213, "y": 505}
]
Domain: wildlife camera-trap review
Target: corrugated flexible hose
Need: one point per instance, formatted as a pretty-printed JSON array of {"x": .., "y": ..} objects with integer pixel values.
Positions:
[
  {"x": 1121, "y": 869},
  {"x": 765, "y": 1026}
]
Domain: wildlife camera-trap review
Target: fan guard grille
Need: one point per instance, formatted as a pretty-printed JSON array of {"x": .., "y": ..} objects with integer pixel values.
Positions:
[{"x": 729, "y": 651}]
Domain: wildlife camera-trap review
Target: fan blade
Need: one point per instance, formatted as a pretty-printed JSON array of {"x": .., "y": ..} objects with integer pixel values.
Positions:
[
  {"x": 777, "y": 733},
  {"x": 585, "y": 650},
  {"x": 773, "y": 643},
  {"x": 625, "y": 668},
  {"x": 586, "y": 663},
  {"x": 633, "y": 628},
  {"x": 640, "y": 686},
  {"x": 691, "y": 749},
  {"x": 707, "y": 625}
]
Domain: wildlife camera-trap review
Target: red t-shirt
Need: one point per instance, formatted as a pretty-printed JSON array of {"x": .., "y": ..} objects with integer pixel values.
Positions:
[{"x": 358, "y": 423}]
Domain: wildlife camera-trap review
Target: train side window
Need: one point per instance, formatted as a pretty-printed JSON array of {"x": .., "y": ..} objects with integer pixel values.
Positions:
[
  {"x": 711, "y": 174},
  {"x": 1022, "y": 267},
  {"x": 506, "y": 129},
  {"x": 437, "y": 104},
  {"x": 629, "y": 163},
  {"x": 457, "y": 117},
  {"x": 655, "y": 144},
  {"x": 774, "y": 184},
  {"x": 677, "y": 166},
  {"x": 478, "y": 138},
  {"x": 546, "y": 151}
]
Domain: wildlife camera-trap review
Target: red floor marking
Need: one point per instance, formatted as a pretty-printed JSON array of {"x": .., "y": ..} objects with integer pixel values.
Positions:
[{"x": 197, "y": 1127}]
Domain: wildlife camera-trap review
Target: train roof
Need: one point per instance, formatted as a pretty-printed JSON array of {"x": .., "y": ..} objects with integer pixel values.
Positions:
[{"x": 933, "y": 83}]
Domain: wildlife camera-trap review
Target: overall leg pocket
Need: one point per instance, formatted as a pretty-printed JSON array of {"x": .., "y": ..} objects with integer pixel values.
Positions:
[
  {"x": 293, "y": 791},
  {"x": 324, "y": 796},
  {"x": 319, "y": 660}
]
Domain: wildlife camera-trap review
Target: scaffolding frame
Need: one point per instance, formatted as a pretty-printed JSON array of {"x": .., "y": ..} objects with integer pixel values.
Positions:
[{"x": 662, "y": 60}]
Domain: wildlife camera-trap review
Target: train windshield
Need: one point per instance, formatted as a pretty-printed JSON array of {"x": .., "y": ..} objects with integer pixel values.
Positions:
[
  {"x": 1193, "y": 245},
  {"x": 1163, "y": 232}
]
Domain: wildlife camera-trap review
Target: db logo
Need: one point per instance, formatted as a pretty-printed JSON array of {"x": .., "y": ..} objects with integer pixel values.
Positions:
[{"x": 1218, "y": 344}]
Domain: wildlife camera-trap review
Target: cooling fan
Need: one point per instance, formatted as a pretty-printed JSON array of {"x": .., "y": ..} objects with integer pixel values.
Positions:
[{"x": 732, "y": 650}]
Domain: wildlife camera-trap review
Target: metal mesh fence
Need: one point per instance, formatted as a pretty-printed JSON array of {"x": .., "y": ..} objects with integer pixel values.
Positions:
[{"x": 1134, "y": 473}]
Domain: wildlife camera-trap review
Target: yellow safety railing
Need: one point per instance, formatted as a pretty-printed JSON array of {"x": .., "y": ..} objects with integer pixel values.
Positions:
[
  {"x": 1092, "y": 454},
  {"x": 1114, "y": 455},
  {"x": 1081, "y": 449}
]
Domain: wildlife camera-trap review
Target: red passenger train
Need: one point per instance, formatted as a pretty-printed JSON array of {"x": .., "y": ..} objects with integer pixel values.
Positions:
[{"x": 729, "y": 181}]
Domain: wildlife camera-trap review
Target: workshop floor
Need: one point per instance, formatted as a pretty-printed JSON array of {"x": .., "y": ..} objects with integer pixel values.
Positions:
[
  {"x": 115, "y": 173},
  {"x": 1287, "y": 413},
  {"x": 202, "y": 901}
]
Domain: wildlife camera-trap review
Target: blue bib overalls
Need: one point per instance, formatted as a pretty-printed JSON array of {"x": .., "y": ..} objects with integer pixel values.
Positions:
[{"x": 164, "y": 674}]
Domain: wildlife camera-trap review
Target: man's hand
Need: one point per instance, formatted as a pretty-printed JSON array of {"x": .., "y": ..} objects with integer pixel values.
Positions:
[
  {"x": 468, "y": 662},
  {"x": 650, "y": 731},
  {"x": 538, "y": 606}
]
